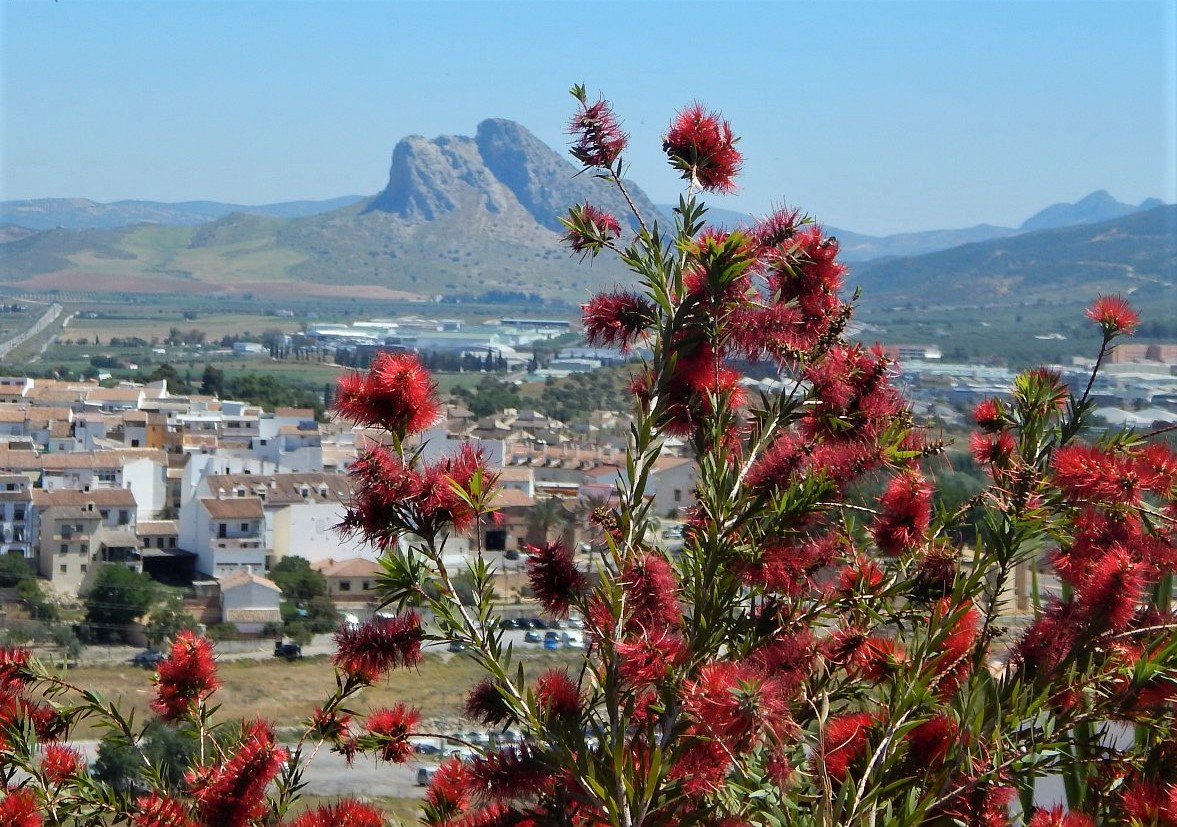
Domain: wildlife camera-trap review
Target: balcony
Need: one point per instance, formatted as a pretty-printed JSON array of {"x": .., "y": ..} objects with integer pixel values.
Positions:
[{"x": 237, "y": 543}]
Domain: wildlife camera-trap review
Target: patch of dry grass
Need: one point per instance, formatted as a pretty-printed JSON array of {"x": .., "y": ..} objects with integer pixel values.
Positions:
[{"x": 286, "y": 693}]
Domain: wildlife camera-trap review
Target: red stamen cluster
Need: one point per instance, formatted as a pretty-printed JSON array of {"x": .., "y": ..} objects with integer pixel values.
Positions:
[
  {"x": 700, "y": 144},
  {"x": 554, "y": 577},
  {"x": 388, "y": 732},
  {"x": 367, "y": 651},
  {"x": 843, "y": 742},
  {"x": 1114, "y": 316},
  {"x": 60, "y": 763},
  {"x": 588, "y": 230},
  {"x": 396, "y": 394},
  {"x": 905, "y": 513},
  {"x": 20, "y": 808},
  {"x": 599, "y": 140},
  {"x": 346, "y": 813},
  {"x": 158, "y": 810},
  {"x": 186, "y": 678},
  {"x": 233, "y": 793},
  {"x": 617, "y": 319}
]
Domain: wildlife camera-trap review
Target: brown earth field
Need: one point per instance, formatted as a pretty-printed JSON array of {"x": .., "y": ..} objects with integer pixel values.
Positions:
[
  {"x": 84, "y": 281},
  {"x": 287, "y": 693}
]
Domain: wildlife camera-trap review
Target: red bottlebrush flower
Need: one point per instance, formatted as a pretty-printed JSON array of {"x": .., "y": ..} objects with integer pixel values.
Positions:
[
  {"x": 842, "y": 743},
  {"x": 508, "y": 774},
  {"x": 906, "y": 513},
  {"x": 989, "y": 416},
  {"x": 1110, "y": 594},
  {"x": 396, "y": 394},
  {"x": 651, "y": 591},
  {"x": 617, "y": 319},
  {"x": 1048, "y": 640},
  {"x": 381, "y": 508},
  {"x": 485, "y": 703},
  {"x": 233, "y": 794},
  {"x": 701, "y": 767},
  {"x": 928, "y": 743},
  {"x": 648, "y": 656},
  {"x": 953, "y": 664},
  {"x": 186, "y": 677},
  {"x": 558, "y": 694},
  {"x": 156, "y": 810},
  {"x": 1086, "y": 473},
  {"x": 698, "y": 382},
  {"x": 20, "y": 808},
  {"x": 732, "y": 703},
  {"x": 978, "y": 803},
  {"x": 701, "y": 145},
  {"x": 449, "y": 791},
  {"x": 388, "y": 732},
  {"x": 861, "y": 576},
  {"x": 554, "y": 577},
  {"x": 870, "y": 657},
  {"x": 777, "y": 466},
  {"x": 1159, "y": 463},
  {"x": 996, "y": 451},
  {"x": 1114, "y": 315},
  {"x": 439, "y": 503},
  {"x": 366, "y": 652},
  {"x": 598, "y": 136},
  {"x": 60, "y": 763},
  {"x": 588, "y": 230},
  {"x": 14, "y": 668},
  {"x": 1058, "y": 817},
  {"x": 777, "y": 229},
  {"x": 345, "y": 813},
  {"x": 1149, "y": 802},
  {"x": 331, "y": 726}
]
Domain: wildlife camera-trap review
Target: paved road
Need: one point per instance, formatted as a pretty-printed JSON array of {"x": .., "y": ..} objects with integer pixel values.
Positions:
[{"x": 47, "y": 318}]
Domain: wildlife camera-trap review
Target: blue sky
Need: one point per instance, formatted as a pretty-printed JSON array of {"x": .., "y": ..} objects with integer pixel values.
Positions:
[{"x": 878, "y": 117}]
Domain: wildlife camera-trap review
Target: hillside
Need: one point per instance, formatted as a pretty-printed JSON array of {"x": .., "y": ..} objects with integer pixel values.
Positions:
[
  {"x": 1133, "y": 255},
  {"x": 459, "y": 215}
]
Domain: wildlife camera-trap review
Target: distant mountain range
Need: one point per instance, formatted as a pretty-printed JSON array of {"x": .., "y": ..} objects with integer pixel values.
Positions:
[{"x": 476, "y": 215}]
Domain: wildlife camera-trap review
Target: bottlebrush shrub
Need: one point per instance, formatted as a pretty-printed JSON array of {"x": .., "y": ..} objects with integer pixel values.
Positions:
[{"x": 808, "y": 657}]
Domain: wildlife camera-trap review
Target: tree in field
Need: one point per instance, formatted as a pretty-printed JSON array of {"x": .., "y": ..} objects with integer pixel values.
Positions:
[{"x": 117, "y": 596}]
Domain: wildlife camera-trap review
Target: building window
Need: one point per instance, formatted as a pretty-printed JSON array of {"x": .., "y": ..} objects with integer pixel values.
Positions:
[
  {"x": 83, "y": 568},
  {"x": 171, "y": 542},
  {"x": 124, "y": 516},
  {"x": 678, "y": 495},
  {"x": 63, "y": 568},
  {"x": 134, "y": 443},
  {"x": 65, "y": 548},
  {"x": 18, "y": 513},
  {"x": 345, "y": 585},
  {"x": 367, "y": 586},
  {"x": 245, "y": 526}
]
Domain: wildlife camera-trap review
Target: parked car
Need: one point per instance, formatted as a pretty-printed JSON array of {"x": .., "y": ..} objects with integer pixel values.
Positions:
[
  {"x": 148, "y": 658},
  {"x": 532, "y": 636},
  {"x": 552, "y": 640},
  {"x": 573, "y": 640},
  {"x": 425, "y": 775},
  {"x": 290, "y": 651},
  {"x": 457, "y": 646}
]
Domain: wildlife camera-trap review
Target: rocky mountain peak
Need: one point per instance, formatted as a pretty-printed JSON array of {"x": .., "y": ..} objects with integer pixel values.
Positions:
[{"x": 504, "y": 168}]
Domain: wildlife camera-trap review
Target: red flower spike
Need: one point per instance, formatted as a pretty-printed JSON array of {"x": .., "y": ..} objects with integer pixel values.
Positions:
[
  {"x": 20, "y": 808},
  {"x": 928, "y": 743},
  {"x": 554, "y": 577},
  {"x": 1059, "y": 817},
  {"x": 186, "y": 677},
  {"x": 558, "y": 694},
  {"x": 449, "y": 791},
  {"x": 14, "y": 668},
  {"x": 390, "y": 729},
  {"x": 397, "y": 394},
  {"x": 843, "y": 742},
  {"x": 617, "y": 319},
  {"x": 701, "y": 145},
  {"x": 366, "y": 652},
  {"x": 952, "y": 666},
  {"x": 485, "y": 703},
  {"x": 60, "y": 763},
  {"x": 1114, "y": 316},
  {"x": 989, "y": 415},
  {"x": 651, "y": 590},
  {"x": 701, "y": 767},
  {"x": 1109, "y": 595},
  {"x": 588, "y": 230},
  {"x": 233, "y": 794},
  {"x": 906, "y": 512},
  {"x": 345, "y": 813},
  {"x": 599, "y": 140},
  {"x": 647, "y": 657},
  {"x": 158, "y": 810}
]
